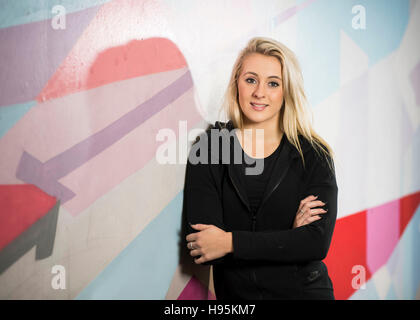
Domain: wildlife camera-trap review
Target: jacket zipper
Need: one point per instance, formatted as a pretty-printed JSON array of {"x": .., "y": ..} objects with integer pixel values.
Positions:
[
  {"x": 254, "y": 221},
  {"x": 254, "y": 217},
  {"x": 237, "y": 191}
]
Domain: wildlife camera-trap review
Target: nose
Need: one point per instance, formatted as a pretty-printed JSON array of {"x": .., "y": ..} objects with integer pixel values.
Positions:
[{"x": 259, "y": 91}]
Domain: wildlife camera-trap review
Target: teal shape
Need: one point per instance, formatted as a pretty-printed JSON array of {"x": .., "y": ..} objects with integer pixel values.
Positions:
[
  {"x": 318, "y": 38},
  {"x": 144, "y": 269},
  {"x": 15, "y": 12},
  {"x": 9, "y": 115}
]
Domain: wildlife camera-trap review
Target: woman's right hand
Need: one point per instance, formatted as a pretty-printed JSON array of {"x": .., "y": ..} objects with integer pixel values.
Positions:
[{"x": 306, "y": 214}]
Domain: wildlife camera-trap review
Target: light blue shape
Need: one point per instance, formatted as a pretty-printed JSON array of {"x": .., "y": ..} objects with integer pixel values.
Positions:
[
  {"x": 407, "y": 251},
  {"x": 318, "y": 38},
  {"x": 368, "y": 293},
  {"x": 388, "y": 18},
  {"x": 9, "y": 115},
  {"x": 317, "y": 48},
  {"x": 391, "y": 294},
  {"x": 144, "y": 269},
  {"x": 15, "y": 12}
]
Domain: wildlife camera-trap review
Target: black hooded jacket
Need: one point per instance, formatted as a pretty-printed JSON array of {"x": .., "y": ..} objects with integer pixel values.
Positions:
[{"x": 271, "y": 259}]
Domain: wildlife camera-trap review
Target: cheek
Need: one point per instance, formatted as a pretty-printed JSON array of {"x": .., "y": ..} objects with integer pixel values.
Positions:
[
  {"x": 278, "y": 95},
  {"x": 241, "y": 90},
  {"x": 243, "y": 94},
  {"x": 277, "y": 98}
]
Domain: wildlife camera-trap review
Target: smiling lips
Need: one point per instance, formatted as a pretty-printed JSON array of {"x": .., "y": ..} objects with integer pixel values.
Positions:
[{"x": 258, "y": 106}]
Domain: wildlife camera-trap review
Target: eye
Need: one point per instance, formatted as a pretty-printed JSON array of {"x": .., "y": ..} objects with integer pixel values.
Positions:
[{"x": 274, "y": 84}]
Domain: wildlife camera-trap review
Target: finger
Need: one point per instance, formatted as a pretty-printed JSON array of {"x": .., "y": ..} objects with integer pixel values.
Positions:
[
  {"x": 312, "y": 219},
  {"x": 195, "y": 252},
  {"x": 191, "y": 237},
  {"x": 191, "y": 246},
  {"x": 312, "y": 204},
  {"x": 310, "y": 198},
  {"x": 307, "y": 199},
  {"x": 200, "y": 260},
  {"x": 313, "y": 212},
  {"x": 200, "y": 226},
  {"x": 318, "y": 211}
]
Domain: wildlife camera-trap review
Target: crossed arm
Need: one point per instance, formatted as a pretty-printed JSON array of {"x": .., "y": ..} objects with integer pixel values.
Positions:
[{"x": 308, "y": 240}]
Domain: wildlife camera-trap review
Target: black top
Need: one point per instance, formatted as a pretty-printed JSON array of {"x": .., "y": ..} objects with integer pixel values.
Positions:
[
  {"x": 255, "y": 184},
  {"x": 270, "y": 260}
]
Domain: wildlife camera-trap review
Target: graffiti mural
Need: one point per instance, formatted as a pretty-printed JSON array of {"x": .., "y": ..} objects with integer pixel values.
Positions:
[{"x": 87, "y": 86}]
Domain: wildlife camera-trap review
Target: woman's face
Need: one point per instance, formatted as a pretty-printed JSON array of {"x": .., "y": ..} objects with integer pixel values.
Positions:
[{"x": 260, "y": 89}]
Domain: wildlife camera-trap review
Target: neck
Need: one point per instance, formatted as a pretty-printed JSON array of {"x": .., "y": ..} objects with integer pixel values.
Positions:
[{"x": 272, "y": 131}]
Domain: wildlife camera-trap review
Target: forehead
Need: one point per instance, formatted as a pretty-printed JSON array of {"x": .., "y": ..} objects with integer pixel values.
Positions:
[{"x": 262, "y": 65}]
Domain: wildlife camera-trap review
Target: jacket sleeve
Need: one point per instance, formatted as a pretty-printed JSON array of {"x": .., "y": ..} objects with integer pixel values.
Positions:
[
  {"x": 308, "y": 242},
  {"x": 202, "y": 202}
]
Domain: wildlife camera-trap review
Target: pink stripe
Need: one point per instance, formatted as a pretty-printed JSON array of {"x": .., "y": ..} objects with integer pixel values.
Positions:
[
  {"x": 115, "y": 64},
  {"x": 108, "y": 50},
  {"x": 195, "y": 290},
  {"x": 383, "y": 233}
]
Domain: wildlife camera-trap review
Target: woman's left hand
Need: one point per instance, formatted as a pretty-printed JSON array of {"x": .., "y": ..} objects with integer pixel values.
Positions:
[{"x": 210, "y": 242}]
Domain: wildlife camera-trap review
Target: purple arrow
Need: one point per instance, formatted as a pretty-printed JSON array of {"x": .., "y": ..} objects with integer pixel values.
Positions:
[{"x": 46, "y": 175}]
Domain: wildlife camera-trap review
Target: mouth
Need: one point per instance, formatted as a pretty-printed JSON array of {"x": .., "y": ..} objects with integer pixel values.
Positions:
[{"x": 258, "y": 106}]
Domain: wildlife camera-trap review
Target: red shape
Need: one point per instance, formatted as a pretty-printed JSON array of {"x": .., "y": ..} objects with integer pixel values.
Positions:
[
  {"x": 21, "y": 206},
  {"x": 408, "y": 206},
  {"x": 348, "y": 248},
  {"x": 134, "y": 59},
  {"x": 195, "y": 290}
]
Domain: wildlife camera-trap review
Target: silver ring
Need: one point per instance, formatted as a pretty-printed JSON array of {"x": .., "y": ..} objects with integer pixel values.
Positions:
[
  {"x": 191, "y": 246},
  {"x": 302, "y": 212}
]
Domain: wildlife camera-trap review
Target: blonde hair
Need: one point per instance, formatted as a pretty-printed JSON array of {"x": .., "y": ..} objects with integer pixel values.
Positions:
[{"x": 295, "y": 113}]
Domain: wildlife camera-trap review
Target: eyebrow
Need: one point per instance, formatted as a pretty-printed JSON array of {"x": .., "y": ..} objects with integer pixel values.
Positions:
[{"x": 257, "y": 75}]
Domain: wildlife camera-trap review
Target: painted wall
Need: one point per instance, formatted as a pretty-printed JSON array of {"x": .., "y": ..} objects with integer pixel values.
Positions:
[{"x": 88, "y": 210}]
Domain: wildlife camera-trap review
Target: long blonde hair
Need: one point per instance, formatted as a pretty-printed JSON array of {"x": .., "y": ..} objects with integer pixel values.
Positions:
[{"x": 295, "y": 113}]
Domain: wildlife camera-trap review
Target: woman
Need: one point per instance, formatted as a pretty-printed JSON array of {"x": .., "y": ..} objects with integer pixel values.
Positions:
[{"x": 265, "y": 233}]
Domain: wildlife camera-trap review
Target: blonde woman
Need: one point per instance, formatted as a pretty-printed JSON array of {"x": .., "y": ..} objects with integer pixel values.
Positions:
[{"x": 265, "y": 232}]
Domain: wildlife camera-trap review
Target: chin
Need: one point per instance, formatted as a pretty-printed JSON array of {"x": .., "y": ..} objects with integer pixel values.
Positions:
[{"x": 257, "y": 118}]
